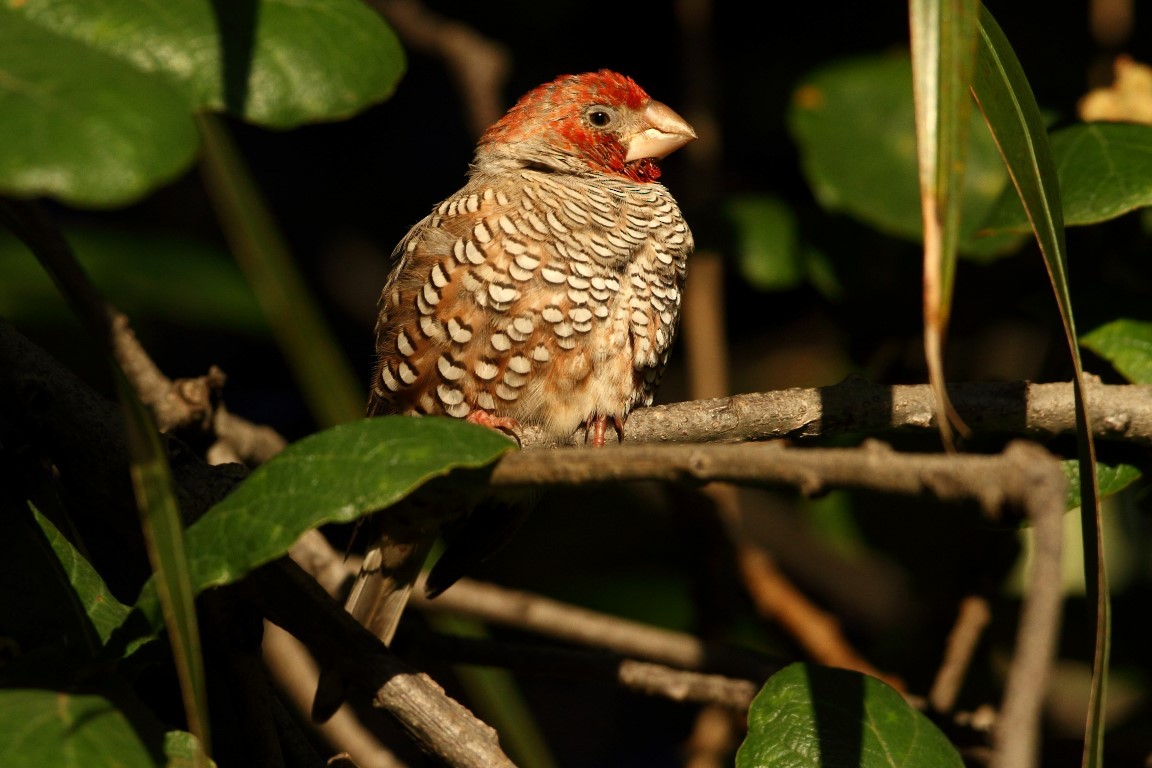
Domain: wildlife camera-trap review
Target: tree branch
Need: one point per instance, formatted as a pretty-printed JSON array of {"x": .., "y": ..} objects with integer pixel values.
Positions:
[
  {"x": 293, "y": 600},
  {"x": 563, "y": 621},
  {"x": 613, "y": 669},
  {"x": 1119, "y": 412},
  {"x": 82, "y": 434}
]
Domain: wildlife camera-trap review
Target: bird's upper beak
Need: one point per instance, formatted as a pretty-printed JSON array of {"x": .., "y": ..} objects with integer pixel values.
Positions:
[{"x": 665, "y": 133}]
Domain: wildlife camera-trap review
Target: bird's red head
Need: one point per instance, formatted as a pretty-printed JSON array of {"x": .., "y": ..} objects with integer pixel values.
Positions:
[{"x": 597, "y": 122}]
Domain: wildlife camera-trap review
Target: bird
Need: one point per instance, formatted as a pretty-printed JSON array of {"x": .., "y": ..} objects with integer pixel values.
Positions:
[{"x": 545, "y": 292}]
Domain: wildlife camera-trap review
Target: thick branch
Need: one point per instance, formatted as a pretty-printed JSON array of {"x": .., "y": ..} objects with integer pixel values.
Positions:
[
  {"x": 991, "y": 481},
  {"x": 855, "y": 406}
]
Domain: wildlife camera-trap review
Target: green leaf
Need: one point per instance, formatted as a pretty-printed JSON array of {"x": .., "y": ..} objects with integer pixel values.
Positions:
[
  {"x": 1127, "y": 345},
  {"x": 1002, "y": 91},
  {"x": 142, "y": 275},
  {"x": 49, "y": 728},
  {"x": 103, "y": 610},
  {"x": 278, "y": 63},
  {"x": 770, "y": 254},
  {"x": 1110, "y": 479},
  {"x": 98, "y": 96},
  {"x": 333, "y": 476},
  {"x": 943, "y": 56},
  {"x": 81, "y": 125},
  {"x": 808, "y": 716},
  {"x": 184, "y": 750},
  {"x": 1104, "y": 171},
  {"x": 854, "y": 124}
]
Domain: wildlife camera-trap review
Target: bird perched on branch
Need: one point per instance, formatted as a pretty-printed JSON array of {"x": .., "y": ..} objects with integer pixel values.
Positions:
[{"x": 545, "y": 292}]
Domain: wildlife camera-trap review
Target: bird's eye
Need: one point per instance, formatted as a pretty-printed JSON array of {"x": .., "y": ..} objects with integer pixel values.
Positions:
[{"x": 601, "y": 117}]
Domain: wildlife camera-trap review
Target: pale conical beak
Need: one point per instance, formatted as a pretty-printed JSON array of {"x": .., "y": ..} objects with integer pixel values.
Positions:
[{"x": 666, "y": 133}]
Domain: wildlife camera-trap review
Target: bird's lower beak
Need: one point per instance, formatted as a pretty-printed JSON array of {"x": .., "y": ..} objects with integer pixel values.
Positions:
[{"x": 666, "y": 133}]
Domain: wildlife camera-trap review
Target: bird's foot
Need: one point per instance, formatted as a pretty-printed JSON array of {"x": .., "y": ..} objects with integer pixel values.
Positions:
[
  {"x": 598, "y": 427},
  {"x": 508, "y": 426}
]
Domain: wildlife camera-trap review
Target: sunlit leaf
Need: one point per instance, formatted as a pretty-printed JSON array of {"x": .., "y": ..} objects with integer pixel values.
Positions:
[
  {"x": 333, "y": 476},
  {"x": 1110, "y": 479},
  {"x": 1127, "y": 345},
  {"x": 83, "y": 126},
  {"x": 808, "y": 716},
  {"x": 1105, "y": 171},
  {"x": 98, "y": 98}
]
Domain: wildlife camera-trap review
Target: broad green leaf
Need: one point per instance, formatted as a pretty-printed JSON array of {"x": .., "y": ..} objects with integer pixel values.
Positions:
[
  {"x": 1104, "y": 171},
  {"x": 1110, "y": 479},
  {"x": 943, "y": 55},
  {"x": 81, "y": 125},
  {"x": 277, "y": 63},
  {"x": 164, "y": 537},
  {"x": 318, "y": 364},
  {"x": 770, "y": 253},
  {"x": 1002, "y": 91},
  {"x": 1127, "y": 345},
  {"x": 854, "y": 124},
  {"x": 142, "y": 275},
  {"x": 335, "y": 476},
  {"x": 103, "y": 610},
  {"x": 808, "y": 716},
  {"x": 98, "y": 96},
  {"x": 49, "y": 728}
]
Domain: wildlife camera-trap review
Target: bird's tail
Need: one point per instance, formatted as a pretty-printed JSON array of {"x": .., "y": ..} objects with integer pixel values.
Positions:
[
  {"x": 391, "y": 565},
  {"x": 390, "y": 568}
]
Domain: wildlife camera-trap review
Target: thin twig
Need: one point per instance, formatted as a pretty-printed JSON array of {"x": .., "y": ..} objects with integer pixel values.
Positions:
[
  {"x": 600, "y": 667},
  {"x": 191, "y": 404},
  {"x": 1017, "y": 734},
  {"x": 713, "y": 738},
  {"x": 816, "y": 630},
  {"x": 571, "y": 623},
  {"x": 972, "y": 617}
]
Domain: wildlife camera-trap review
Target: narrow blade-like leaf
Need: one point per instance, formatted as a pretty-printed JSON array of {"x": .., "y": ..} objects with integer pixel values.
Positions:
[
  {"x": 943, "y": 58},
  {"x": 1002, "y": 91},
  {"x": 164, "y": 537},
  {"x": 301, "y": 332}
]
